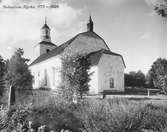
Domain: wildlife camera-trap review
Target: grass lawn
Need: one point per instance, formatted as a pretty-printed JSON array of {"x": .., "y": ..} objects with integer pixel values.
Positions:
[{"x": 154, "y": 99}]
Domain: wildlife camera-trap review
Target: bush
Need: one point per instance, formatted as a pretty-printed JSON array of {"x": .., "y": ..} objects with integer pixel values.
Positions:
[
  {"x": 55, "y": 118},
  {"x": 10, "y": 118}
]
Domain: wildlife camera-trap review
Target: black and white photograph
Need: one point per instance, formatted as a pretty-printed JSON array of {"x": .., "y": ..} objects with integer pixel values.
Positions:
[{"x": 83, "y": 66}]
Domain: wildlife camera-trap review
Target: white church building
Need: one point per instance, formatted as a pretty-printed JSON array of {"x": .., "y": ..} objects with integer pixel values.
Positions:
[{"x": 107, "y": 66}]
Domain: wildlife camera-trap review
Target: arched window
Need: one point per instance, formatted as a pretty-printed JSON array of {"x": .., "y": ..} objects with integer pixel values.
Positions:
[
  {"x": 53, "y": 72},
  {"x": 111, "y": 82},
  {"x": 45, "y": 77}
]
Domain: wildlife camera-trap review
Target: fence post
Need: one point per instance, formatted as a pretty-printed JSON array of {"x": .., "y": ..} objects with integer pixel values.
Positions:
[
  {"x": 148, "y": 92},
  {"x": 11, "y": 96},
  {"x": 75, "y": 99}
]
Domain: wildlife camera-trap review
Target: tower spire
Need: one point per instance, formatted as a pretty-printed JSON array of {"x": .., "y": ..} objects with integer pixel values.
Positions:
[
  {"x": 45, "y": 36},
  {"x": 90, "y": 19},
  {"x": 90, "y": 24}
]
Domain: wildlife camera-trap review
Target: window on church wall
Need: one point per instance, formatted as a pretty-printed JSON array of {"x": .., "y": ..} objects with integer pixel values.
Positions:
[
  {"x": 53, "y": 72},
  {"x": 57, "y": 69},
  {"x": 38, "y": 73},
  {"x": 45, "y": 77},
  {"x": 38, "y": 76},
  {"x": 111, "y": 82}
]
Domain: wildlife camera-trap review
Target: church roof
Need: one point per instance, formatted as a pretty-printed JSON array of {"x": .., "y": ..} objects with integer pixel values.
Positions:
[
  {"x": 58, "y": 50},
  {"x": 95, "y": 56}
]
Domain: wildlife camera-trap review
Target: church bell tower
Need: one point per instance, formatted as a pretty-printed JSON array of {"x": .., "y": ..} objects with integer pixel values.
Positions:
[{"x": 46, "y": 44}]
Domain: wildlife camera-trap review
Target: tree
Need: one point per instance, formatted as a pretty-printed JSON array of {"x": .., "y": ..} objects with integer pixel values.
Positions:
[
  {"x": 149, "y": 80},
  {"x": 160, "y": 6},
  {"x": 158, "y": 73},
  {"x": 140, "y": 79},
  {"x": 129, "y": 80},
  {"x": 2, "y": 75},
  {"x": 132, "y": 75},
  {"x": 75, "y": 75},
  {"x": 135, "y": 79},
  {"x": 18, "y": 75}
]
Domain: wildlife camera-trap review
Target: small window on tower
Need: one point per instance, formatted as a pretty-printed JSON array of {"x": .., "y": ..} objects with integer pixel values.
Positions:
[
  {"x": 47, "y": 36},
  {"x": 111, "y": 81},
  {"x": 47, "y": 50}
]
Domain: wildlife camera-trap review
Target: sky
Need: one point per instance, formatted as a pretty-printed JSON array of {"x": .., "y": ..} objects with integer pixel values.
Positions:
[{"x": 129, "y": 27}]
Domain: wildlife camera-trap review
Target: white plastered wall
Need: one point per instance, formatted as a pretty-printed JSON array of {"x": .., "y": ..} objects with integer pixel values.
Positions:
[
  {"x": 93, "y": 83},
  {"x": 41, "y": 49},
  {"x": 111, "y": 66},
  {"x": 53, "y": 77}
]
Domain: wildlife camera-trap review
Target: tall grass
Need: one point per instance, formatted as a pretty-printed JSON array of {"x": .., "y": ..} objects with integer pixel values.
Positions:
[
  {"x": 121, "y": 115},
  {"x": 93, "y": 115}
]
